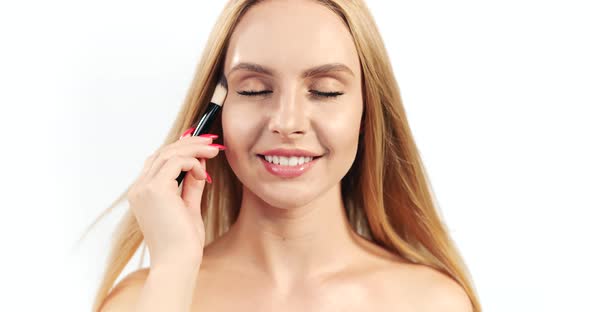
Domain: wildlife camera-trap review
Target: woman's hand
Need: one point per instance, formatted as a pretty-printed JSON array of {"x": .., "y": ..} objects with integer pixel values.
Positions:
[{"x": 171, "y": 224}]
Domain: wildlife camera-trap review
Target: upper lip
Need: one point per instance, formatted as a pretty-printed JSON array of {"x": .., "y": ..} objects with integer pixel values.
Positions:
[{"x": 289, "y": 152}]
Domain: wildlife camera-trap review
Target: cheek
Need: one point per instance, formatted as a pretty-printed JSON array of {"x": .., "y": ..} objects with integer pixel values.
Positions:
[
  {"x": 343, "y": 142},
  {"x": 240, "y": 132},
  {"x": 341, "y": 128},
  {"x": 238, "y": 123}
]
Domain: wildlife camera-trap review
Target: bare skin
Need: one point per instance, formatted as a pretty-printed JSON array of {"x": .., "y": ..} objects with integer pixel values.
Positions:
[
  {"x": 370, "y": 279},
  {"x": 379, "y": 281},
  {"x": 292, "y": 248}
]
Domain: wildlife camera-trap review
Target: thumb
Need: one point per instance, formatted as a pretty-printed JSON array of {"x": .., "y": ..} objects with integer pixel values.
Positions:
[{"x": 192, "y": 190}]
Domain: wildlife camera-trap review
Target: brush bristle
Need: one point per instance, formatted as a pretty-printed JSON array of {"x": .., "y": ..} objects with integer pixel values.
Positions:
[{"x": 219, "y": 94}]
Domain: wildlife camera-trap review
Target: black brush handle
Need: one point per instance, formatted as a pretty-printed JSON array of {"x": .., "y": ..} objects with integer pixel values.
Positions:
[{"x": 202, "y": 127}]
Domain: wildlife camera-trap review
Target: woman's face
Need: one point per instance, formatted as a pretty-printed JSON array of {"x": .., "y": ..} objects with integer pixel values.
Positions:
[{"x": 288, "y": 38}]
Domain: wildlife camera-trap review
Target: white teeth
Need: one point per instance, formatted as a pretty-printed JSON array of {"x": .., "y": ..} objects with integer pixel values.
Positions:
[
  {"x": 293, "y": 161},
  {"x": 287, "y": 161},
  {"x": 283, "y": 161}
]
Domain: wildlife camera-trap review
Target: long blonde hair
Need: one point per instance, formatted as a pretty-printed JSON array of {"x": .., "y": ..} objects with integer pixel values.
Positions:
[{"x": 386, "y": 192}]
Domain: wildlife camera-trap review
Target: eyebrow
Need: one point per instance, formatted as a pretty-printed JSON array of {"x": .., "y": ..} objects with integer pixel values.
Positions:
[{"x": 314, "y": 71}]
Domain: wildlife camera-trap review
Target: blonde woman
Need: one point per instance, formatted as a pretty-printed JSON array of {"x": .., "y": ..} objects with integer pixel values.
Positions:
[{"x": 358, "y": 230}]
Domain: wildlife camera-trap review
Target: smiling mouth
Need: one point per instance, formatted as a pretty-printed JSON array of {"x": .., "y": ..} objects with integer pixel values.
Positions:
[
  {"x": 293, "y": 168},
  {"x": 262, "y": 157}
]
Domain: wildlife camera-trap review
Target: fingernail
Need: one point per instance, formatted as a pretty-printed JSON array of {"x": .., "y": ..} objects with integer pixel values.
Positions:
[
  {"x": 221, "y": 147},
  {"x": 208, "y": 178},
  {"x": 189, "y": 131},
  {"x": 213, "y": 136}
]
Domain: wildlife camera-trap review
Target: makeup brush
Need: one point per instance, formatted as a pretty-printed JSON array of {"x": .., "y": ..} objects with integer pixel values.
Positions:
[{"x": 209, "y": 116}]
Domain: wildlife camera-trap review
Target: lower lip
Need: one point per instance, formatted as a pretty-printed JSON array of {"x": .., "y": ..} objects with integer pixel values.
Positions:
[{"x": 288, "y": 171}]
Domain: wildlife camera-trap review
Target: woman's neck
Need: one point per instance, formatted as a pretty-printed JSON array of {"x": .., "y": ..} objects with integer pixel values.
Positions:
[{"x": 295, "y": 243}]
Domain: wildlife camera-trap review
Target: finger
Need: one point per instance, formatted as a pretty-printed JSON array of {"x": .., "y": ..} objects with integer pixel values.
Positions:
[
  {"x": 172, "y": 168},
  {"x": 183, "y": 143},
  {"x": 191, "y": 150},
  {"x": 203, "y": 163},
  {"x": 192, "y": 190},
  {"x": 193, "y": 140},
  {"x": 149, "y": 163}
]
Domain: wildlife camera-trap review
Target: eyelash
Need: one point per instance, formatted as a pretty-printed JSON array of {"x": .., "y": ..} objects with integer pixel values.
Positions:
[{"x": 314, "y": 93}]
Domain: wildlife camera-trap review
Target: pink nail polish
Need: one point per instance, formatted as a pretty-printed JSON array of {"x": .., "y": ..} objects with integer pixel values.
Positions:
[
  {"x": 189, "y": 131},
  {"x": 208, "y": 178},
  {"x": 221, "y": 147},
  {"x": 213, "y": 136}
]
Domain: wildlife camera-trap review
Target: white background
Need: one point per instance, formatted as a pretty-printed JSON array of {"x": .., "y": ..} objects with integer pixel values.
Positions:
[{"x": 497, "y": 94}]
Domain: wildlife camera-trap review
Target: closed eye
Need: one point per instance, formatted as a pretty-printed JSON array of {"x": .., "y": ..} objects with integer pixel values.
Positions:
[
  {"x": 325, "y": 94},
  {"x": 254, "y": 93},
  {"x": 314, "y": 93}
]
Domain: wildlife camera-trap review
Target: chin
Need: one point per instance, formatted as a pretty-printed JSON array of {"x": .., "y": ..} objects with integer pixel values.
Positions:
[{"x": 286, "y": 197}]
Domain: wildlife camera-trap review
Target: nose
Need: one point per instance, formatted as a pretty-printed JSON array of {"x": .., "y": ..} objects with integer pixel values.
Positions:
[{"x": 289, "y": 117}]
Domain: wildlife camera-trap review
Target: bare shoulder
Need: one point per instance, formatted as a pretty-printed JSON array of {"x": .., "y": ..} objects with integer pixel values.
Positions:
[
  {"x": 407, "y": 286},
  {"x": 432, "y": 290},
  {"x": 126, "y": 292}
]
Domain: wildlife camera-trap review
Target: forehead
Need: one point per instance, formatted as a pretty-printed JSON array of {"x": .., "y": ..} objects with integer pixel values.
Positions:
[{"x": 290, "y": 37}]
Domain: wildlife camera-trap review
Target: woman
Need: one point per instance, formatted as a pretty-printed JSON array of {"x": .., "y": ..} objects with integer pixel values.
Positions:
[{"x": 358, "y": 231}]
